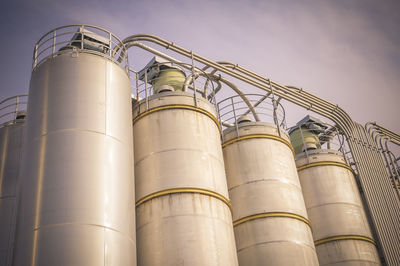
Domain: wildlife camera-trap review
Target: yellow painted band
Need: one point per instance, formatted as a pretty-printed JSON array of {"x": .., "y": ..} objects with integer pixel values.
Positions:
[
  {"x": 258, "y": 136},
  {"x": 344, "y": 237},
  {"x": 272, "y": 214},
  {"x": 184, "y": 190},
  {"x": 178, "y": 106},
  {"x": 324, "y": 163}
]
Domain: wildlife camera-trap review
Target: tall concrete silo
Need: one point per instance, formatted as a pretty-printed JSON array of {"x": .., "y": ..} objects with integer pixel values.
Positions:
[
  {"x": 270, "y": 218},
  {"x": 77, "y": 193},
  {"x": 183, "y": 213},
  {"x": 269, "y": 215},
  {"x": 340, "y": 227},
  {"x": 11, "y": 146}
]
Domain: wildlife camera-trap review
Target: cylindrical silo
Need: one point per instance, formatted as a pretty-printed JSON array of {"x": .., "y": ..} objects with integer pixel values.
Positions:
[
  {"x": 11, "y": 136},
  {"x": 77, "y": 195},
  {"x": 340, "y": 228},
  {"x": 270, "y": 219},
  {"x": 183, "y": 214}
]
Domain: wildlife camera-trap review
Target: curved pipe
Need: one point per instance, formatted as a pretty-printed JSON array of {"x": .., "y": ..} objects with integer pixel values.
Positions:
[
  {"x": 231, "y": 85},
  {"x": 308, "y": 97},
  {"x": 380, "y": 134},
  {"x": 216, "y": 90},
  {"x": 341, "y": 119},
  {"x": 384, "y": 149},
  {"x": 216, "y": 77},
  {"x": 283, "y": 92},
  {"x": 299, "y": 99},
  {"x": 206, "y": 85},
  {"x": 394, "y": 137},
  {"x": 391, "y": 163}
]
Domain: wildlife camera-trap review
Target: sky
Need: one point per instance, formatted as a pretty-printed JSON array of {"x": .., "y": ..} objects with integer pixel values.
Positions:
[{"x": 344, "y": 51}]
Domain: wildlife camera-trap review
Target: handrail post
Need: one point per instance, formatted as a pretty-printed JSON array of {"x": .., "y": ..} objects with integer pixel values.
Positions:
[
  {"x": 16, "y": 108},
  {"x": 35, "y": 55},
  {"x": 137, "y": 86},
  {"x": 220, "y": 120},
  {"x": 234, "y": 115},
  {"x": 54, "y": 43},
  {"x": 110, "y": 44},
  {"x": 145, "y": 89},
  {"x": 193, "y": 81},
  {"x": 82, "y": 29}
]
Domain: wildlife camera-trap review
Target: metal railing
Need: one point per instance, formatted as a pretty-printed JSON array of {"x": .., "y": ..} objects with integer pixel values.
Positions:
[
  {"x": 330, "y": 140},
  {"x": 80, "y": 38},
  {"x": 265, "y": 109},
  {"x": 199, "y": 83},
  {"x": 12, "y": 109}
]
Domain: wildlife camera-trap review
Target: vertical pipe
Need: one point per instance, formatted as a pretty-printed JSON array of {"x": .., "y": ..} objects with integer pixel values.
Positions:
[{"x": 382, "y": 201}]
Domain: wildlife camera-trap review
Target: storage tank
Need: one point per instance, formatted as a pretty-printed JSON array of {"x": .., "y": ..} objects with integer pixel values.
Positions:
[
  {"x": 11, "y": 136},
  {"x": 183, "y": 214},
  {"x": 340, "y": 228},
  {"x": 77, "y": 200},
  {"x": 269, "y": 216}
]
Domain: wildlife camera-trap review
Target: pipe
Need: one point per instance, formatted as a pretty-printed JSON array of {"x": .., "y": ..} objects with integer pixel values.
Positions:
[
  {"x": 283, "y": 92},
  {"x": 377, "y": 131},
  {"x": 315, "y": 100},
  {"x": 232, "y": 86}
]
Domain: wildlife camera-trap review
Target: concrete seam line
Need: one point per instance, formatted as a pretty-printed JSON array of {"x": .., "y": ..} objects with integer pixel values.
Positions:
[
  {"x": 344, "y": 237},
  {"x": 325, "y": 163},
  {"x": 177, "y": 106},
  {"x": 184, "y": 190},
  {"x": 272, "y": 214},
  {"x": 259, "y": 136}
]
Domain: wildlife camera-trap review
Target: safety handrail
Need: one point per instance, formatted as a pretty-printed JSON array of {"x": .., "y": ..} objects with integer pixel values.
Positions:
[
  {"x": 56, "y": 42},
  {"x": 328, "y": 138},
  {"x": 200, "y": 85},
  {"x": 12, "y": 108},
  {"x": 231, "y": 109}
]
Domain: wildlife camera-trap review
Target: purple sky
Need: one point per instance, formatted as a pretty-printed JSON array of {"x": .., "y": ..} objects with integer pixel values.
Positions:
[{"x": 345, "y": 51}]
